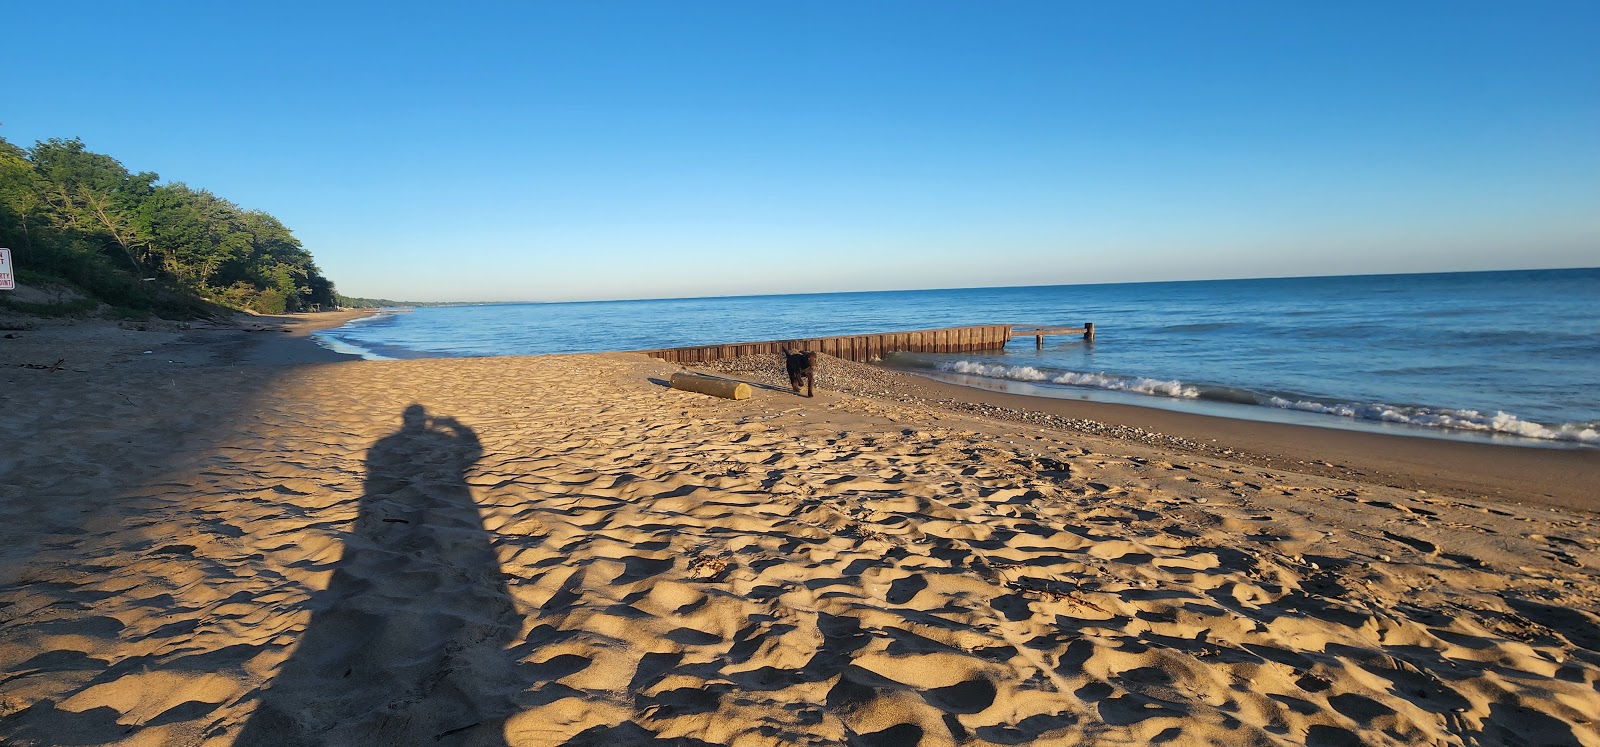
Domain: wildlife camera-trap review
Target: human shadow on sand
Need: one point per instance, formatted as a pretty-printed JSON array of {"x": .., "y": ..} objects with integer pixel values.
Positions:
[{"x": 408, "y": 645}]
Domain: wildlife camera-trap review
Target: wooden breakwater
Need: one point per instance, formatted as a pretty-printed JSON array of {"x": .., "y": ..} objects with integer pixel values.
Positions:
[{"x": 872, "y": 346}]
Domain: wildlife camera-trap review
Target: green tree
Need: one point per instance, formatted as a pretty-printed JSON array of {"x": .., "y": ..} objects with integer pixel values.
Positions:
[
  {"x": 21, "y": 198},
  {"x": 92, "y": 193},
  {"x": 82, "y": 217}
]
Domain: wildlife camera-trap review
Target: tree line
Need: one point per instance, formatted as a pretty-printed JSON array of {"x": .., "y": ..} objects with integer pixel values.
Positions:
[{"x": 70, "y": 214}]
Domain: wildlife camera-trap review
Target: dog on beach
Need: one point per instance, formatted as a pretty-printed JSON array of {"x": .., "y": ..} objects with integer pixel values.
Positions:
[{"x": 802, "y": 366}]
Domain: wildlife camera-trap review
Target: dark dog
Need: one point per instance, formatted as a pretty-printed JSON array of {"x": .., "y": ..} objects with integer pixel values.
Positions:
[{"x": 802, "y": 366}]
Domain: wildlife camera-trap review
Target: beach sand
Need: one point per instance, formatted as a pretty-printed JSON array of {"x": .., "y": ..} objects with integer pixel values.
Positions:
[{"x": 200, "y": 547}]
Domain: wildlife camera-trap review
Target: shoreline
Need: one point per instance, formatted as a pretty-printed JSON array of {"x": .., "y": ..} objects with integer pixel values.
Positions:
[
  {"x": 1550, "y": 477},
  {"x": 1257, "y": 412},
  {"x": 1533, "y": 475},
  {"x": 1270, "y": 416},
  {"x": 94, "y": 344},
  {"x": 296, "y": 345},
  {"x": 1555, "y": 477}
]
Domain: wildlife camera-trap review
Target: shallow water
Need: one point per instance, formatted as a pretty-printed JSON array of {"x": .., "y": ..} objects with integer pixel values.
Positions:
[{"x": 1508, "y": 356}]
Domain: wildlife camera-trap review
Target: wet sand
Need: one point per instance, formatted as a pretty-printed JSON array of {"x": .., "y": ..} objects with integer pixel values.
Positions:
[{"x": 1555, "y": 477}]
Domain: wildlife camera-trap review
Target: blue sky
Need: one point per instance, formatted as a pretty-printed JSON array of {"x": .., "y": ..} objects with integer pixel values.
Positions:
[{"x": 594, "y": 150}]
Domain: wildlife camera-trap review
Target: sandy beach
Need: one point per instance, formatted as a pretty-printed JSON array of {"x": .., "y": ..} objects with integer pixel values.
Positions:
[{"x": 218, "y": 536}]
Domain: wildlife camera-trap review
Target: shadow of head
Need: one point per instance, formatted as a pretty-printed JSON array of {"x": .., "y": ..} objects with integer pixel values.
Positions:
[{"x": 427, "y": 449}]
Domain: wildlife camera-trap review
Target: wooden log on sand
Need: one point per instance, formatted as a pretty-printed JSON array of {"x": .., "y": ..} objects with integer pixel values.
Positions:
[{"x": 692, "y": 382}]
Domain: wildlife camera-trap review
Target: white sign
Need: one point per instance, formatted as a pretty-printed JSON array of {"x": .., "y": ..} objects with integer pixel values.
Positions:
[{"x": 8, "y": 281}]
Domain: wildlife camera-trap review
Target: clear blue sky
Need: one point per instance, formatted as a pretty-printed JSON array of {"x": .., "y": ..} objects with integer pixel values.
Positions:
[{"x": 583, "y": 150}]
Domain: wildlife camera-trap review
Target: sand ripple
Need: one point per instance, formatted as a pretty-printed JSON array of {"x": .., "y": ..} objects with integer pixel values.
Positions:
[{"x": 570, "y": 553}]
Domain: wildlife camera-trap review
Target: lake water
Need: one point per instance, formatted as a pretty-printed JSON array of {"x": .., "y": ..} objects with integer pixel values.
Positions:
[{"x": 1505, "y": 356}]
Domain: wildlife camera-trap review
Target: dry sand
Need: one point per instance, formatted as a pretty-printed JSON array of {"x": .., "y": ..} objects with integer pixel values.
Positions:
[{"x": 195, "y": 549}]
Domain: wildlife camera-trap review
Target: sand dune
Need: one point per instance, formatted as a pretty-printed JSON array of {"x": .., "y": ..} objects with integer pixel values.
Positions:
[{"x": 562, "y": 551}]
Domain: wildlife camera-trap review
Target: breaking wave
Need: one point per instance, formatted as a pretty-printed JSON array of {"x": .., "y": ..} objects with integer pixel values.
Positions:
[
  {"x": 1475, "y": 421},
  {"x": 1137, "y": 384},
  {"x": 1465, "y": 420}
]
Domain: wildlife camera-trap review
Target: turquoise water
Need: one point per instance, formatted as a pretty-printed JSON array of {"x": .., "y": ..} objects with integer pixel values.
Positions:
[{"x": 1506, "y": 356}]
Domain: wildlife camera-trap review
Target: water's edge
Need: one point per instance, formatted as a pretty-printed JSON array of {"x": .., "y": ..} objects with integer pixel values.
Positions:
[
  {"x": 1174, "y": 396},
  {"x": 1503, "y": 357},
  {"x": 1251, "y": 413}
]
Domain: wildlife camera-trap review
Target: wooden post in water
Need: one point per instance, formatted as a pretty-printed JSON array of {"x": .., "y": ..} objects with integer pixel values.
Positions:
[{"x": 1088, "y": 331}]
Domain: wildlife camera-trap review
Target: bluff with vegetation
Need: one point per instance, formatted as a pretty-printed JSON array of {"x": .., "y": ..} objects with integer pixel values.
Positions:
[{"x": 78, "y": 218}]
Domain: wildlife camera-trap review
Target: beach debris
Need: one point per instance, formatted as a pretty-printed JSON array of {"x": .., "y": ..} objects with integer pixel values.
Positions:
[
  {"x": 712, "y": 385},
  {"x": 1055, "y": 590},
  {"x": 42, "y": 367},
  {"x": 706, "y": 567},
  {"x": 1045, "y": 465},
  {"x": 456, "y": 730}
]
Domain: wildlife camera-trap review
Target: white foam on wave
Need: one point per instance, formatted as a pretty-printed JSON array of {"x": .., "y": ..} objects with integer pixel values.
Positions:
[
  {"x": 362, "y": 321},
  {"x": 330, "y": 338},
  {"x": 1136, "y": 384},
  {"x": 337, "y": 345},
  {"x": 1466, "y": 420}
]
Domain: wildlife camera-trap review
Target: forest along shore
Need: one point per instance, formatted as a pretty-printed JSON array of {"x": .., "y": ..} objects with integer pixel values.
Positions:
[{"x": 200, "y": 550}]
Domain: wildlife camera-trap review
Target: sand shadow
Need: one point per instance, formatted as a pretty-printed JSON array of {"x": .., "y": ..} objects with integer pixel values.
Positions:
[{"x": 408, "y": 644}]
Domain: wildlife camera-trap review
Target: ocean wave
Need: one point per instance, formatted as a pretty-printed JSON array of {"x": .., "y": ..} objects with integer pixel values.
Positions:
[
  {"x": 1498, "y": 422},
  {"x": 337, "y": 344},
  {"x": 1136, "y": 384},
  {"x": 1465, "y": 420},
  {"x": 375, "y": 318}
]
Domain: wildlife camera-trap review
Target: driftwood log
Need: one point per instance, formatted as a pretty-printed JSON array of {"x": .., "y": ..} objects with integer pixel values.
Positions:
[{"x": 692, "y": 382}]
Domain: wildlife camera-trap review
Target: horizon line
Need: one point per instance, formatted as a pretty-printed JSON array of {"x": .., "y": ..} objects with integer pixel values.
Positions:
[{"x": 989, "y": 287}]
